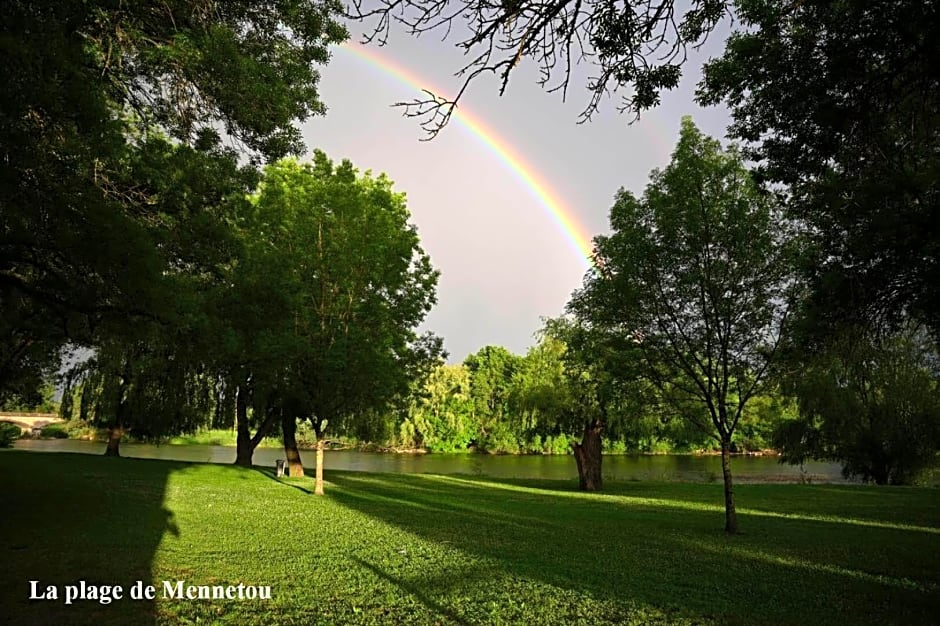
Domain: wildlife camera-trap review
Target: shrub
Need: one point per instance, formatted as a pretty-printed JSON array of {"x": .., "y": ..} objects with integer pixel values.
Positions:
[
  {"x": 54, "y": 431},
  {"x": 8, "y": 434},
  {"x": 535, "y": 445},
  {"x": 558, "y": 445},
  {"x": 500, "y": 440}
]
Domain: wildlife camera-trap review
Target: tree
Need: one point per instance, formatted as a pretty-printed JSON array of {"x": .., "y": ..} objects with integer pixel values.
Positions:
[
  {"x": 607, "y": 397},
  {"x": 540, "y": 396},
  {"x": 25, "y": 363},
  {"x": 356, "y": 284},
  {"x": 251, "y": 314},
  {"x": 491, "y": 373},
  {"x": 102, "y": 104},
  {"x": 696, "y": 271},
  {"x": 839, "y": 105},
  {"x": 40, "y": 398},
  {"x": 870, "y": 402},
  {"x": 152, "y": 386},
  {"x": 440, "y": 412},
  {"x": 638, "y": 47},
  {"x": 588, "y": 382},
  {"x": 184, "y": 246}
]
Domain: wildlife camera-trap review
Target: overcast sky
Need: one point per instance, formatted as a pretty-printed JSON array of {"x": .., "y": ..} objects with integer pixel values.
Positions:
[{"x": 504, "y": 262}]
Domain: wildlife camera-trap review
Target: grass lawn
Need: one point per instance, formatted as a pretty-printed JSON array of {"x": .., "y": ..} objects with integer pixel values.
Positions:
[
  {"x": 424, "y": 549},
  {"x": 217, "y": 437}
]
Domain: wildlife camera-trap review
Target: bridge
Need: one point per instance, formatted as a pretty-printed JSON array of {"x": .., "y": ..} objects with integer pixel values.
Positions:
[{"x": 30, "y": 422}]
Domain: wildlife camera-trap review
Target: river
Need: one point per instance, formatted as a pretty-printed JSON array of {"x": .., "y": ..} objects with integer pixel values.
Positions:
[{"x": 673, "y": 467}]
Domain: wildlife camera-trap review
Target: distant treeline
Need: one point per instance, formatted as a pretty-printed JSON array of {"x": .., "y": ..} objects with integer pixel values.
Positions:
[
  {"x": 500, "y": 402},
  {"x": 496, "y": 402}
]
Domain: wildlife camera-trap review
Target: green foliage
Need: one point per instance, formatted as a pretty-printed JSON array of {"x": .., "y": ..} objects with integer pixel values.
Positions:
[
  {"x": 598, "y": 382},
  {"x": 114, "y": 181},
  {"x": 500, "y": 438},
  {"x": 149, "y": 380},
  {"x": 338, "y": 282},
  {"x": 543, "y": 399},
  {"x": 38, "y": 397},
  {"x": 370, "y": 427},
  {"x": 491, "y": 373},
  {"x": 872, "y": 403},
  {"x": 557, "y": 444},
  {"x": 8, "y": 434},
  {"x": 440, "y": 416},
  {"x": 838, "y": 103},
  {"x": 571, "y": 375},
  {"x": 54, "y": 431},
  {"x": 26, "y": 363},
  {"x": 760, "y": 419},
  {"x": 694, "y": 277}
]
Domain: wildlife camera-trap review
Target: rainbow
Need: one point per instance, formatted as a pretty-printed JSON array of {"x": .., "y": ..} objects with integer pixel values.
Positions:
[{"x": 560, "y": 214}]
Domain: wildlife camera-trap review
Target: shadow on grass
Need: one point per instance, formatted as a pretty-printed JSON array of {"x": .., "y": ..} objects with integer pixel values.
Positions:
[
  {"x": 415, "y": 590},
  {"x": 52, "y": 533},
  {"x": 663, "y": 547},
  {"x": 286, "y": 481}
]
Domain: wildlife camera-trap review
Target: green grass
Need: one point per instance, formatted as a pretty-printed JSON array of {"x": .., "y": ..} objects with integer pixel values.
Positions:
[
  {"x": 207, "y": 437},
  {"x": 424, "y": 549},
  {"x": 218, "y": 437}
]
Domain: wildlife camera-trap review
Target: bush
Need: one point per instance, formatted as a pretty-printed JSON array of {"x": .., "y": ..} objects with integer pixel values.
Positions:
[
  {"x": 8, "y": 434},
  {"x": 54, "y": 431},
  {"x": 558, "y": 445},
  {"x": 500, "y": 440}
]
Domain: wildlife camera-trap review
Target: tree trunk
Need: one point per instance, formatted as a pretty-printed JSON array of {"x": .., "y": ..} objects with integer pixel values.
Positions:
[
  {"x": 116, "y": 430},
  {"x": 879, "y": 467},
  {"x": 318, "y": 487},
  {"x": 246, "y": 444},
  {"x": 243, "y": 447},
  {"x": 318, "y": 431},
  {"x": 587, "y": 454},
  {"x": 731, "y": 517},
  {"x": 289, "y": 430},
  {"x": 114, "y": 441}
]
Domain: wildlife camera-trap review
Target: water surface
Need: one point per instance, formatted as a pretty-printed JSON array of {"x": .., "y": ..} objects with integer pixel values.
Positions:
[{"x": 672, "y": 467}]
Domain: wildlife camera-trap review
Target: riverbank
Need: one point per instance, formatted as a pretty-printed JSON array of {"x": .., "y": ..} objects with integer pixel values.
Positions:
[
  {"x": 381, "y": 548},
  {"x": 617, "y": 468},
  {"x": 226, "y": 437}
]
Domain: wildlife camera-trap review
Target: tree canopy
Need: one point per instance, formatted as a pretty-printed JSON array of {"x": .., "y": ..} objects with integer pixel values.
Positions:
[
  {"x": 114, "y": 173},
  {"x": 838, "y": 104}
]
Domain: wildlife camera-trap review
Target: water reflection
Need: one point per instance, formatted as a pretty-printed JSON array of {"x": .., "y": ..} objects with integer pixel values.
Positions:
[{"x": 618, "y": 468}]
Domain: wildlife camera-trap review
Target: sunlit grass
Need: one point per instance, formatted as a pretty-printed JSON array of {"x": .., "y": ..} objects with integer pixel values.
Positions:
[
  {"x": 216, "y": 437},
  {"x": 695, "y": 506},
  {"x": 416, "y": 549}
]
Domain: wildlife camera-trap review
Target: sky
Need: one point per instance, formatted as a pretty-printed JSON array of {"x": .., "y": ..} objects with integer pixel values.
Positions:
[{"x": 505, "y": 261}]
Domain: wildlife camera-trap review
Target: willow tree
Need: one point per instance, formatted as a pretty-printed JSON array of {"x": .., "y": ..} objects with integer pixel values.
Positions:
[
  {"x": 148, "y": 387},
  {"x": 697, "y": 271},
  {"x": 598, "y": 378},
  {"x": 356, "y": 285},
  {"x": 869, "y": 401}
]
